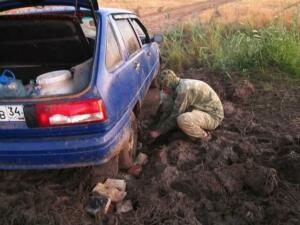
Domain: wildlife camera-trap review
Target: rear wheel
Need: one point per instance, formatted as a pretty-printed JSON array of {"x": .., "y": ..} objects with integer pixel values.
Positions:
[
  {"x": 108, "y": 169},
  {"x": 128, "y": 154},
  {"x": 126, "y": 157},
  {"x": 154, "y": 83}
]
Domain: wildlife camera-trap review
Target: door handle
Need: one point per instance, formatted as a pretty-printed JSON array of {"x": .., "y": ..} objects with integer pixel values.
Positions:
[{"x": 137, "y": 65}]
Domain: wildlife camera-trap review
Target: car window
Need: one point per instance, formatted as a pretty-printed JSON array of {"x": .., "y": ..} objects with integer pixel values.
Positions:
[
  {"x": 113, "y": 55},
  {"x": 130, "y": 39},
  {"x": 139, "y": 30}
]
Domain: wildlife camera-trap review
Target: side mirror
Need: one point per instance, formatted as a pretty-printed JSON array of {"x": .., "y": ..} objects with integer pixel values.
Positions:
[{"x": 157, "y": 38}]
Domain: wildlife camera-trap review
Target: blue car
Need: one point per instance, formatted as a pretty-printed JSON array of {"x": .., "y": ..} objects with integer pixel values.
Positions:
[{"x": 103, "y": 62}]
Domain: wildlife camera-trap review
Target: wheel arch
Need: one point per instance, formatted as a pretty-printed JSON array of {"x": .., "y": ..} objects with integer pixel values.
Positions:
[{"x": 137, "y": 108}]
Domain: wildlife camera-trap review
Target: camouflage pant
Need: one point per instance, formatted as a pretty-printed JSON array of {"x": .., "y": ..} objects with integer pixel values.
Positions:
[{"x": 196, "y": 122}]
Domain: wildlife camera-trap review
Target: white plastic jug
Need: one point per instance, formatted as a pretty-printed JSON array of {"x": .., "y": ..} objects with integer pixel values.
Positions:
[{"x": 55, "y": 83}]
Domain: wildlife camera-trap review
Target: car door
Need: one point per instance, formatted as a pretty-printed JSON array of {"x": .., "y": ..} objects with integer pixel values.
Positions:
[
  {"x": 134, "y": 54},
  {"x": 122, "y": 62},
  {"x": 148, "y": 55}
]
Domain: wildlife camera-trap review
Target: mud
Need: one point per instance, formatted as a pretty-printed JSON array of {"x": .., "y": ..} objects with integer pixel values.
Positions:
[{"x": 247, "y": 174}]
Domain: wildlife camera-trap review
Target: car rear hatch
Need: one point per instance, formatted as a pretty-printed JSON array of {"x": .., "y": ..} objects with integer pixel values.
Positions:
[
  {"x": 14, "y": 4},
  {"x": 79, "y": 113}
]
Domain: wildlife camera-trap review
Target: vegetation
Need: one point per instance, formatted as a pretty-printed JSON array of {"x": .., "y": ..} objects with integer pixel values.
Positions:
[{"x": 231, "y": 48}]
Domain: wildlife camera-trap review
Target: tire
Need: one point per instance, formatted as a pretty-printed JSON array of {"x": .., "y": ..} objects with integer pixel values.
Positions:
[
  {"x": 108, "y": 169},
  {"x": 128, "y": 154},
  {"x": 154, "y": 84}
]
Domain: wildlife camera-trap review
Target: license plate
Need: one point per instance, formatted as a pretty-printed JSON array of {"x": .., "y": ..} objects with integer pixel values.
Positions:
[{"x": 11, "y": 113}]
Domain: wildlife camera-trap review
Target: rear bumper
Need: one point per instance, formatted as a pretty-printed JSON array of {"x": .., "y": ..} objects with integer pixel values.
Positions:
[{"x": 62, "y": 152}]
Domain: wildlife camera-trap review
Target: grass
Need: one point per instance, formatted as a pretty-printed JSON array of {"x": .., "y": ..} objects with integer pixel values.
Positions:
[{"x": 228, "y": 48}]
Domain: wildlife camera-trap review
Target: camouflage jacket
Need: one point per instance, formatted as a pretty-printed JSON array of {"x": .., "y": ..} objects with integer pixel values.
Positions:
[{"x": 189, "y": 95}]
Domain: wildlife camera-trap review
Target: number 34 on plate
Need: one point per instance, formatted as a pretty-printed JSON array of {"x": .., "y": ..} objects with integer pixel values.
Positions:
[{"x": 11, "y": 113}]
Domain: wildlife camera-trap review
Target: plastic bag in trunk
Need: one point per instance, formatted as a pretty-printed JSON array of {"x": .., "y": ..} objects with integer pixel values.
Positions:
[{"x": 11, "y": 87}]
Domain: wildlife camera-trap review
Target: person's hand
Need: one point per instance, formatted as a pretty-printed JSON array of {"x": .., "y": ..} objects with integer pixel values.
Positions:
[{"x": 154, "y": 134}]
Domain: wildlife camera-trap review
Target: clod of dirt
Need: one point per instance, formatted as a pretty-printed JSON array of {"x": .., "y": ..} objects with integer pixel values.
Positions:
[
  {"x": 180, "y": 153},
  {"x": 124, "y": 207},
  {"x": 186, "y": 158},
  {"x": 232, "y": 177},
  {"x": 245, "y": 150},
  {"x": 198, "y": 184},
  {"x": 169, "y": 174},
  {"x": 229, "y": 108},
  {"x": 286, "y": 140},
  {"x": 162, "y": 156},
  {"x": 142, "y": 159},
  {"x": 262, "y": 180},
  {"x": 135, "y": 170},
  {"x": 226, "y": 157},
  {"x": 289, "y": 165},
  {"x": 228, "y": 137},
  {"x": 251, "y": 213},
  {"x": 242, "y": 90}
]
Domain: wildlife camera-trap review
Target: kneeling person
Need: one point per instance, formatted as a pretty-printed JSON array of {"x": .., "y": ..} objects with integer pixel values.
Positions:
[{"x": 190, "y": 104}]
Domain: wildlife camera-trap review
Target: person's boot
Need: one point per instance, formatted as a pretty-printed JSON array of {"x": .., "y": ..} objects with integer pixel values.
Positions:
[{"x": 206, "y": 138}]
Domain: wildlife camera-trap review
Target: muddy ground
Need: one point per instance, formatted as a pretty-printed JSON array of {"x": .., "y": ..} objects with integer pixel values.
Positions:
[{"x": 249, "y": 173}]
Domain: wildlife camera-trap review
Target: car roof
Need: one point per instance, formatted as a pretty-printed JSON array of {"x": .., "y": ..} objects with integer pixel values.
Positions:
[
  {"x": 109, "y": 11},
  {"x": 106, "y": 11}
]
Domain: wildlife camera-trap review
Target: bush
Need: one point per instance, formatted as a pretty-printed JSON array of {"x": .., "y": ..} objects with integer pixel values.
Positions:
[{"x": 229, "y": 48}]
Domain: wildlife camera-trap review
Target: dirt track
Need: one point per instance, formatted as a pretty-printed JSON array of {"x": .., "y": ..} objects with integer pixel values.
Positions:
[{"x": 159, "y": 20}]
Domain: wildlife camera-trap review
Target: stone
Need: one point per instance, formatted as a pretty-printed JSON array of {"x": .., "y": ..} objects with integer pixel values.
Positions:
[
  {"x": 124, "y": 207},
  {"x": 116, "y": 183},
  {"x": 135, "y": 170},
  {"x": 98, "y": 204},
  {"x": 111, "y": 192},
  {"x": 141, "y": 159}
]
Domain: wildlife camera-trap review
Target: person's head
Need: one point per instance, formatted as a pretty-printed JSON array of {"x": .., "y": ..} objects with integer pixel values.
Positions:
[{"x": 168, "y": 80}]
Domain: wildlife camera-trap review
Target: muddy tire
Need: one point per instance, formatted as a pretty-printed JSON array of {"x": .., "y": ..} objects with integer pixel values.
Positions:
[
  {"x": 154, "y": 84},
  {"x": 128, "y": 154},
  {"x": 108, "y": 169}
]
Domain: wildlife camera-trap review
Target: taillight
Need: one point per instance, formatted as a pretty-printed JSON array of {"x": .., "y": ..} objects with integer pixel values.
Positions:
[{"x": 70, "y": 113}]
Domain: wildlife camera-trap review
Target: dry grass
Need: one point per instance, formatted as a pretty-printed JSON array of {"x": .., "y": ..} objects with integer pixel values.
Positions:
[
  {"x": 257, "y": 12},
  {"x": 147, "y": 7},
  {"x": 253, "y": 12}
]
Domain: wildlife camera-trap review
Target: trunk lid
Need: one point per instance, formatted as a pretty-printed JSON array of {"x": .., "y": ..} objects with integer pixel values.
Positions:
[{"x": 15, "y": 4}]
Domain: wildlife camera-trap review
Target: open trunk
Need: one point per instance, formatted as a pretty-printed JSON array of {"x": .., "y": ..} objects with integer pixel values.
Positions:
[{"x": 35, "y": 44}]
